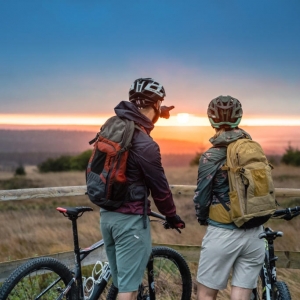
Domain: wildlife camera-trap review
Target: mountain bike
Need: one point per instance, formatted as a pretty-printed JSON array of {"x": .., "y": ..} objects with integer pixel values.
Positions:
[
  {"x": 268, "y": 288},
  {"x": 167, "y": 275}
]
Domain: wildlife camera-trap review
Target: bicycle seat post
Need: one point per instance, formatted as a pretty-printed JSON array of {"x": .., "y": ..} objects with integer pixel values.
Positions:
[{"x": 78, "y": 274}]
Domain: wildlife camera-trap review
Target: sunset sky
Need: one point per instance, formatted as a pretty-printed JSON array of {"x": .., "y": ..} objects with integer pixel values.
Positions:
[{"x": 71, "y": 62}]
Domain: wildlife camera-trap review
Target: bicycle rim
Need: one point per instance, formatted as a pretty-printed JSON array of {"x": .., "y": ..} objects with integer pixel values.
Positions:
[
  {"x": 41, "y": 278},
  {"x": 172, "y": 277}
]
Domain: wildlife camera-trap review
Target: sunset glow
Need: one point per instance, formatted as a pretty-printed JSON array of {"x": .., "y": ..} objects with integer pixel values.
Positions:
[{"x": 181, "y": 119}]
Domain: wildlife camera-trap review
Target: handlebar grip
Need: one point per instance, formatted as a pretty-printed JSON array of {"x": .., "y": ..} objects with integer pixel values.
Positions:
[
  {"x": 180, "y": 225},
  {"x": 283, "y": 212}
]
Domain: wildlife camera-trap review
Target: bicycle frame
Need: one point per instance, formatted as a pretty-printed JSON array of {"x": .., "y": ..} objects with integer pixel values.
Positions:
[{"x": 99, "y": 284}]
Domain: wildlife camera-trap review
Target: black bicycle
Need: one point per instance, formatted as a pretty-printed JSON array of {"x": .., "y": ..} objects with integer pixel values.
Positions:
[
  {"x": 167, "y": 275},
  {"x": 268, "y": 287}
]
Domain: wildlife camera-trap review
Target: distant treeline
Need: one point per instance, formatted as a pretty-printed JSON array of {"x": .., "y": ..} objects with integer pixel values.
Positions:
[
  {"x": 66, "y": 163},
  {"x": 290, "y": 157},
  {"x": 13, "y": 159}
]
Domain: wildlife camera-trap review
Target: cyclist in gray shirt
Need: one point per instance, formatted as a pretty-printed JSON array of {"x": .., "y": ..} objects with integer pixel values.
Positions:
[{"x": 225, "y": 247}]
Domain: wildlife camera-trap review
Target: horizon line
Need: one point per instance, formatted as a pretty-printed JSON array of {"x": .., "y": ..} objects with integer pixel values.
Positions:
[{"x": 181, "y": 119}]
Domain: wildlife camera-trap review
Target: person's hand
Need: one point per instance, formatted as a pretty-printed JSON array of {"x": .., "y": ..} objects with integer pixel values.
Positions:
[
  {"x": 175, "y": 222},
  {"x": 165, "y": 111},
  {"x": 202, "y": 222}
]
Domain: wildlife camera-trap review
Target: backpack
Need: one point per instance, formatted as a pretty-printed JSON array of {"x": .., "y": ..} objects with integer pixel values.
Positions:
[
  {"x": 252, "y": 193},
  {"x": 105, "y": 174}
]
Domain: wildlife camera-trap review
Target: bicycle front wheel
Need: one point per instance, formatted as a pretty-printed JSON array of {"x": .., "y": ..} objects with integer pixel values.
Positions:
[
  {"x": 41, "y": 278},
  {"x": 282, "y": 291},
  {"x": 171, "y": 275}
]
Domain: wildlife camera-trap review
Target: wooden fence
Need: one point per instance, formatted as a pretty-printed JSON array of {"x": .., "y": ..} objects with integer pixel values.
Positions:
[{"x": 287, "y": 259}]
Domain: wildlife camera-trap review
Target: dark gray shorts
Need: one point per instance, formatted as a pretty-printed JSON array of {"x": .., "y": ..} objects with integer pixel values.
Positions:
[
  {"x": 128, "y": 248},
  {"x": 225, "y": 250}
]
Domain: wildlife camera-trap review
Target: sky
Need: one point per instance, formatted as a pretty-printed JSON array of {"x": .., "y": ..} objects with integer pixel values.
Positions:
[{"x": 73, "y": 61}]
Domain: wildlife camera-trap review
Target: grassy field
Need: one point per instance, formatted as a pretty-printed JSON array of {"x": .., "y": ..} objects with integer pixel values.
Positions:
[{"x": 33, "y": 227}]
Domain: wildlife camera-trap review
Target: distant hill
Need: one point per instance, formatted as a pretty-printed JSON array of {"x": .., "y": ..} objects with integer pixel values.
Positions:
[
  {"x": 178, "y": 144},
  {"x": 34, "y": 146}
]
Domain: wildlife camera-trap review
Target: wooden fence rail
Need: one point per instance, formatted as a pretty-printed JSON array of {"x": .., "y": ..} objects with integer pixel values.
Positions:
[
  {"x": 287, "y": 259},
  {"x": 71, "y": 191}
]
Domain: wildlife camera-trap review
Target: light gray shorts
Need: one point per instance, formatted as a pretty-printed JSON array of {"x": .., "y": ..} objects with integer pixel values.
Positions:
[
  {"x": 128, "y": 247},
  {"x": 224, "y": 250}
]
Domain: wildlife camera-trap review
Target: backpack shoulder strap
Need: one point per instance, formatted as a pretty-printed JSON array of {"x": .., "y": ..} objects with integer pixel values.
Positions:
[{"x": 141, "y": 128}]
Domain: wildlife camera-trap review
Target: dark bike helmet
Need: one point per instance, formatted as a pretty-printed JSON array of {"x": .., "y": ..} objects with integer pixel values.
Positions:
[
  {"x": 146, "y": 91},
  {"x": 224, "y": 112}
]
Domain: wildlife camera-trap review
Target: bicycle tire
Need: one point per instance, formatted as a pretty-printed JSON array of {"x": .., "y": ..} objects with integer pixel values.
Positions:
[
  {"x": 282, "y": 291},
  {"x": 172, "y": 277},
  {"x": 24, "y": 283}
]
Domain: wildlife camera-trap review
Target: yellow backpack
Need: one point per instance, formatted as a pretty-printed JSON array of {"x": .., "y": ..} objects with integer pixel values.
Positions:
[{"x": 252, "y": 193}]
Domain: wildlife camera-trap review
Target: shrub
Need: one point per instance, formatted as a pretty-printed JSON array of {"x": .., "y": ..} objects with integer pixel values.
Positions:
[
  {"x": 20, "y": 171},
  {"x": 80, "y": 161},
  {"x": 66, "y": 163},
  {"x": 195, "y": 160},
  {"x": 291, "y": 156},
  {"x": 59, "y": 164}
]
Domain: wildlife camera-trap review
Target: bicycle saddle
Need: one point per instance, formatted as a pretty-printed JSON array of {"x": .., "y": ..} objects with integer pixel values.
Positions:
[
  {"x": 74, "y": 211},
  {"x": 270, "y": 234}
]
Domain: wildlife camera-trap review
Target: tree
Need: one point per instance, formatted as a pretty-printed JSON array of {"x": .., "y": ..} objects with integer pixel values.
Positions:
[{"x": 291, "y": 156}]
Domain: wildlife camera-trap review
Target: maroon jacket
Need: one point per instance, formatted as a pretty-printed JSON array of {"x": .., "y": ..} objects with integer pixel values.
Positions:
[{"x": 144, "y": 167}]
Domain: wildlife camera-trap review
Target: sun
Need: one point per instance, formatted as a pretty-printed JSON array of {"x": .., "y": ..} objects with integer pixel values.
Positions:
[{"x": 183, "y": 118}]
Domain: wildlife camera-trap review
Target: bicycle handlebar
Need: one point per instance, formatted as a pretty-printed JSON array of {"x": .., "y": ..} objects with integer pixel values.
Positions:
[
  {"x": 287, "y": 213},
  {"x": 166, "y": 224},
  {"x": 157, "y": 215}
]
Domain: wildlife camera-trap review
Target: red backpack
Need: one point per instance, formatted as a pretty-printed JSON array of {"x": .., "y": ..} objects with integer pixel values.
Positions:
[{"x": 105, "y": 174}]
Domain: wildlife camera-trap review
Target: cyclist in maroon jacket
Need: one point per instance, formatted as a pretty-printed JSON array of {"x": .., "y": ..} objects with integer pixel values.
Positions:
[{"x": 126, "y": 232}]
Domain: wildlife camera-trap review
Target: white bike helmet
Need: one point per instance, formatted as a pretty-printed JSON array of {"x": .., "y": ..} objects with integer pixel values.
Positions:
[{"x": 145, "y": 92}]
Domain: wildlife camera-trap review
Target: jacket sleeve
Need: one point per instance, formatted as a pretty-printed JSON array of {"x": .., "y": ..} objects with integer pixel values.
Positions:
[
  {"x": 203, "y": 193},
  {"x": 149, "y": 161}
]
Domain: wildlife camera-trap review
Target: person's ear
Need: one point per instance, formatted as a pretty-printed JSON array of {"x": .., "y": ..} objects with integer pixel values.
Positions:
[{"x": 158, "y": 104}]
